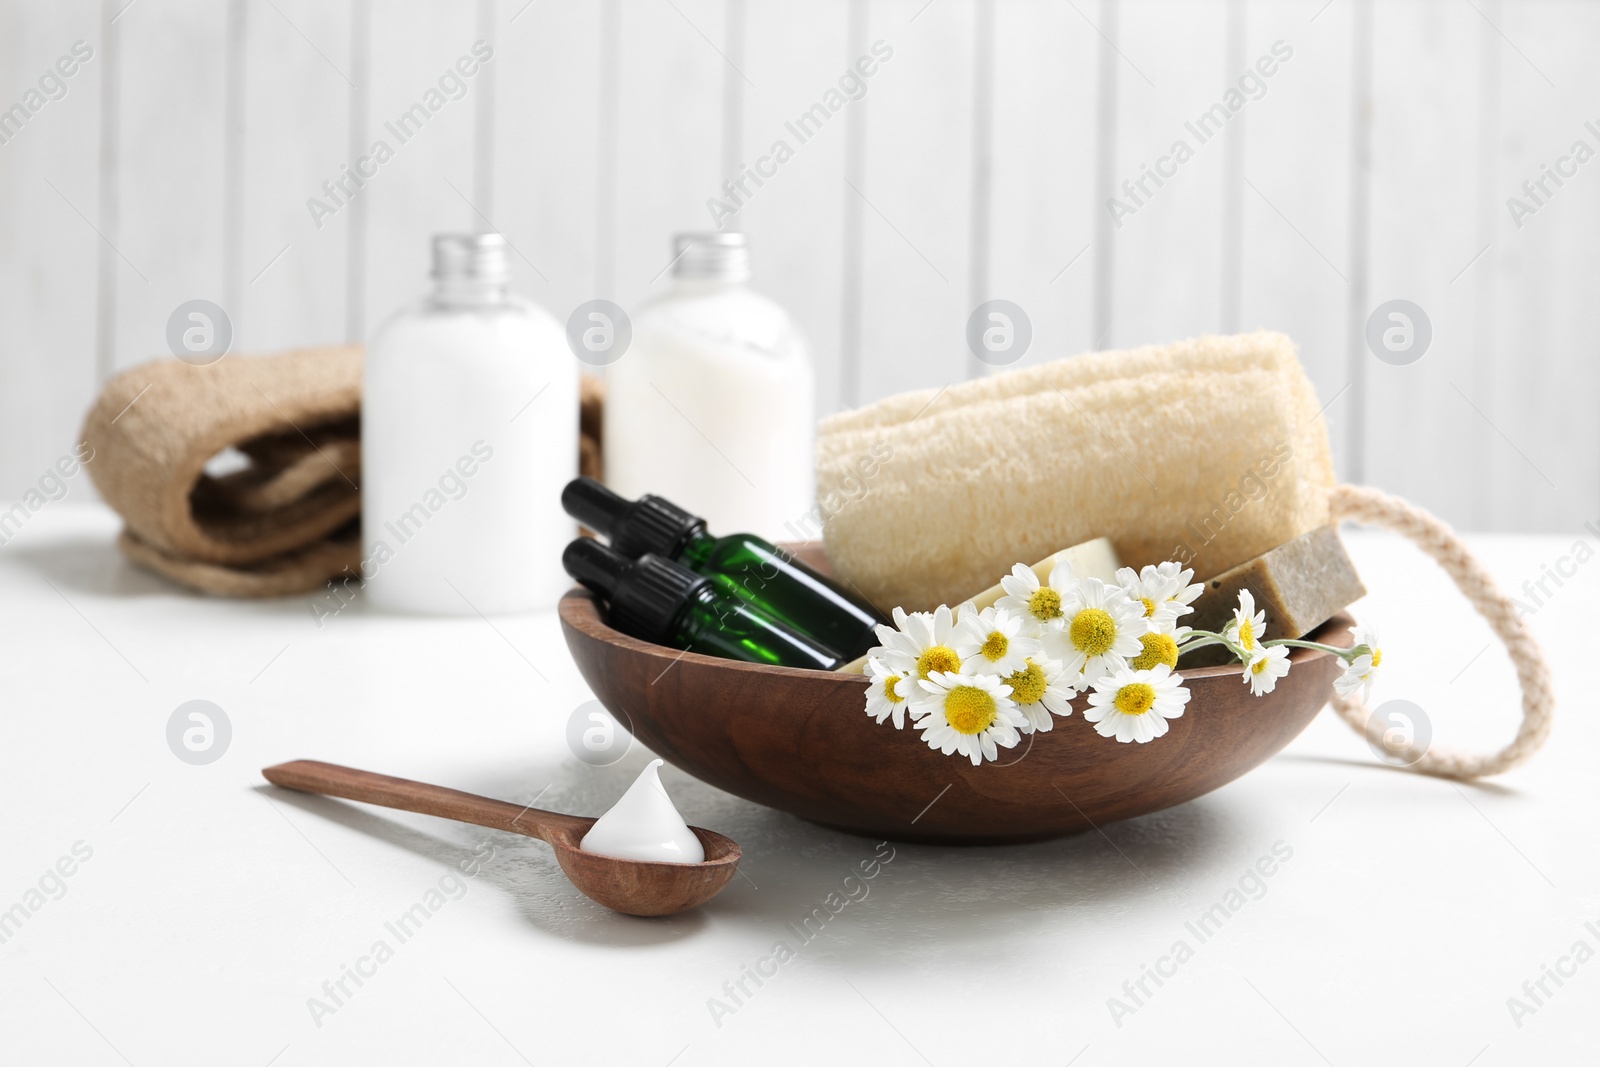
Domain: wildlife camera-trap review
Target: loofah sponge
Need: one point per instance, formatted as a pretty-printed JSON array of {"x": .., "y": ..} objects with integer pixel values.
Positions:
[
  {"x": 1208, "y": 451},
  {"x": 279, "y": 524},
  {"x": 294, "y": 414}
]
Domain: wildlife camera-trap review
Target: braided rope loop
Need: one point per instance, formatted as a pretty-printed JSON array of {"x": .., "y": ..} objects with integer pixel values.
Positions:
[{"x": 1435, "y": 537}]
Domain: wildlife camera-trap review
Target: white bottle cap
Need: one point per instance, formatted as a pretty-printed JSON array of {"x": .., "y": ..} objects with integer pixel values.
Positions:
[
  {"x": 474, "y": 257},
  {"x": 722, "y": 257}
]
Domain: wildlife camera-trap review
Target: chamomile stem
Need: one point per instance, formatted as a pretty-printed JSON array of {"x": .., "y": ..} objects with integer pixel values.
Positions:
[
  {"x": 1346, "y": 654},
  {"x": 1202, "y": 643},
  {"x": 1204, "y": 638}
]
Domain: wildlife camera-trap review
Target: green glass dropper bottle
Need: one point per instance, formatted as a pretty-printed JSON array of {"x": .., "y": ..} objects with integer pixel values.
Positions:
[
  {"x": 756, "y": 571},
  {"x": 665, "y": 603}
]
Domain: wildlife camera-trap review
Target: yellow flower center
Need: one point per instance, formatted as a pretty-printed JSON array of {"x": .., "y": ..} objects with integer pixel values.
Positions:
[
  {"x": 938, "y": 658},
  {"x": 1028, "y": 684},
  {"x": 1247, "y": 635},
  {"x": 1149, "y": 606},
  {"x": 1377, "y": 656},
  {"x": 1045, "y": 604},
  {"x": 1158, "y": 648},
  {"x": 889, "y": 684},
  {"x": 1136, "y": 698},
  {"x": 994, "y": 649},
  {"x": 1259, "y": 665},
  {"x": 968, "y": 709},
  {"x": 1094, "y": 631}
]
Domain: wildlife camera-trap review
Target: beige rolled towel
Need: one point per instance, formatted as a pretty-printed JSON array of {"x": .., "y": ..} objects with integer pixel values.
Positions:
[
  {"x": 1208, "y": 451},
  {"x": 265, "y": 529},
  {"x": 334, "y": 558},
  {"x": 591, "y": 416}
]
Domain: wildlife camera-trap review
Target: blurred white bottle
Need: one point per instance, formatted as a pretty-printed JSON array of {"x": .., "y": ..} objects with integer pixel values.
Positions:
[
  {"x": 713, "y": 404},
  {"x": 469, "y": 431}
]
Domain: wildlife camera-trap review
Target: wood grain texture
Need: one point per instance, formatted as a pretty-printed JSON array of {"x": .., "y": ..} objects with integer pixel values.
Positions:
[
  {"x": 1171, "y": 70},
  {"x": 170, "y": 170},
  {"x": 633, "y": 887},
  {"x": 1288, "y": 222},
  {"x": 798, "y": 740},
  {"x": 978, "y": 146},
  {"x": 917, "y": 201},
  {"x": 799, "y": 225},
  {"x": 292, "y": 272},
  {"x": 1043, "y": 211},
  {"x": 1423, "y": 411},
  {"x": 48, "y": 255}
]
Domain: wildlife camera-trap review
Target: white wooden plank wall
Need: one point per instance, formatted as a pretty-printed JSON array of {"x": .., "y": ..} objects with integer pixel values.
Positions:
[{"x": 1372, "y": 165}]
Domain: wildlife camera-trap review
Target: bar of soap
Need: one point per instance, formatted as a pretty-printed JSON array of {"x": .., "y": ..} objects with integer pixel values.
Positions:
[
  {"x": 1091, "y": 559},
  {"x": 1300, "y": 585}
]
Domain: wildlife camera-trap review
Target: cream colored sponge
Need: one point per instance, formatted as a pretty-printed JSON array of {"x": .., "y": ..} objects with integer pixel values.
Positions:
[{"x": 1209, "y": 452}]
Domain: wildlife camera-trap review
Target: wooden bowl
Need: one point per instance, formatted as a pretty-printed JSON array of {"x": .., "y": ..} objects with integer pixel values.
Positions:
[{"x": 801, "y": 741}]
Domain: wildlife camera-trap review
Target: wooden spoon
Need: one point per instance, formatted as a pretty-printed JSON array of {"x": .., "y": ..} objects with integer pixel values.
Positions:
[{"x": 633, "y": 887}]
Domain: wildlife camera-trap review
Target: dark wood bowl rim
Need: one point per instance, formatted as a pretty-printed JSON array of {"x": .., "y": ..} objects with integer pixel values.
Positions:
[{"x": 580, "y": 609}]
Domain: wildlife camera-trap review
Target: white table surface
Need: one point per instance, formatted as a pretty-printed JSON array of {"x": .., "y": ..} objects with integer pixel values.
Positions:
[{"x": 213, "y": 907}]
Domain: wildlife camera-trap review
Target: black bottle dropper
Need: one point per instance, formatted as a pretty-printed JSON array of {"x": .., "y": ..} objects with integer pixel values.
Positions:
[
  {"x": 756, "y": 571},
  {"x": 659, "y": 601}
]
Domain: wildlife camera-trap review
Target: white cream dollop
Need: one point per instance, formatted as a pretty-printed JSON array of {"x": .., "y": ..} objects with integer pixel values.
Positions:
[{"x": 644, "y": 825}]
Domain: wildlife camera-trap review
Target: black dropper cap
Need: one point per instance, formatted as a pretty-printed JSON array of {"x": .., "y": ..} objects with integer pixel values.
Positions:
[
  {"x": 634, "y": 527},
  {"x": 645, "y": 594}
]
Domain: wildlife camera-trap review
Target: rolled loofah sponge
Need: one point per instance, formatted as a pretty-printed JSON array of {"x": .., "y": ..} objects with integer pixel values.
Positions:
[
  {"x": 1208, "y": 451},
  {"x": 270, "y": 528}
]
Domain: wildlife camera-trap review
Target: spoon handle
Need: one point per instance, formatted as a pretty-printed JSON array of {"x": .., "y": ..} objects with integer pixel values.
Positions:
[{"x": 329, "y": 779}]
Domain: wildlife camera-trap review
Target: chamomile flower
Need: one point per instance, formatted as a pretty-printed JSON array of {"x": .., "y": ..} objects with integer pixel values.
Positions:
[
  {"x": 967, "y": 713},
  {"x": 1161, "y": 641},
  {"x": 920, "y": 642},
  {"x": 1133, "y": 705},
  {"x": 1100, "y": 632},
  {"x": 1158, "y": 648},
  {"x": 1038, "y": 602},
  {"x": 1359, "y": 672},
  {"x": 992, "y": 641},
  {"x": 1163, "y": 590},
  {"x": 889, "y": 694},
  {"x": 1040, "y": 689},
  {"x": 1249, "y": 625},
  {"x": 1262, "y": 672}
]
